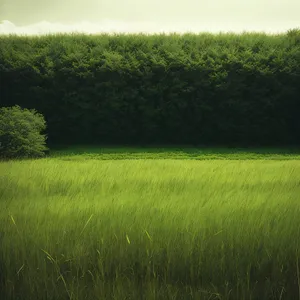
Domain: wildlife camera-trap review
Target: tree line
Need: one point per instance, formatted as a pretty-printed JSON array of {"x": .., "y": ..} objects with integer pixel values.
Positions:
[{"x": 200, "y": 89}]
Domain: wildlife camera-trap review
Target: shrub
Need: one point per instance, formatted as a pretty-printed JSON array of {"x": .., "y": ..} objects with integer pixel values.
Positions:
[{"x": 20, "y": 133}]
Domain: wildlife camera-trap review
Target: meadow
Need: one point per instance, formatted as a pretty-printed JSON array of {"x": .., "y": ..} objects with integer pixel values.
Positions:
[{"x": 151, "y": 224}]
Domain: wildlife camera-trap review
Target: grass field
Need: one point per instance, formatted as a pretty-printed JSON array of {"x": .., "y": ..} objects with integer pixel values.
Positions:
[
  {"x": 76, "y": 153},
  {"x": 102, "y": 226}
]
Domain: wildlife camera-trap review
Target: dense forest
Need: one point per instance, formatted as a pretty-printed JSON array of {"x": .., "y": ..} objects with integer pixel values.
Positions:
[{"x": 204, "y": 89}]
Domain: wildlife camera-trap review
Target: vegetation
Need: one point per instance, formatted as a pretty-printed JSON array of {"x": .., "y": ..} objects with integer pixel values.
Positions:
[
  {"x": 147, "y": 229},
  {"x": 87, "y": 152},
  {"x": 150, "y": 222},
  {"x": 20, "y": 133},
  {"x": 227, "y": 89}
]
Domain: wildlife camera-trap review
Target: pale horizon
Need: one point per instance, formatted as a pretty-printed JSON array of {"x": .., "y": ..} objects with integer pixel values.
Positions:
[{"x": 35, "y": 17}]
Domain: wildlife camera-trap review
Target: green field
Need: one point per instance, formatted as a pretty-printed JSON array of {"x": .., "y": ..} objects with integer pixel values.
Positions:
[
  {"x": 123, "y": 223},
  {"x": 81, "y": 152}
]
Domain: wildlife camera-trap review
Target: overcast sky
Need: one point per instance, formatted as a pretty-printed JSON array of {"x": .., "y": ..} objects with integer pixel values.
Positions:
[{"x": 93, "y": 16}]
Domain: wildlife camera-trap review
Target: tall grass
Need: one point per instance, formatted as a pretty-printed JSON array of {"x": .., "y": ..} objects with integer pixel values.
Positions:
[{"x": 149, "y": 229}]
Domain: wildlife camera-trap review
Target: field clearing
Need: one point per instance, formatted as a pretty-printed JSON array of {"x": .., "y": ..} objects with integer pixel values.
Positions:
[
  {"x": 82, "y": 152},
  {"x": 149, "y": 229}
]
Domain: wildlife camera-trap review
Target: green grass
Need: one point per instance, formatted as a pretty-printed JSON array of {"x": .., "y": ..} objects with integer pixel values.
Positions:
[
  {"x": 149, "y": 229},
  {"x": 82, "y": 152}
]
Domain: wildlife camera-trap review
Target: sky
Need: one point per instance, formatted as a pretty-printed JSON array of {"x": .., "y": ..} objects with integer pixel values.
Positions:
[{"x": 147, "y": 16}]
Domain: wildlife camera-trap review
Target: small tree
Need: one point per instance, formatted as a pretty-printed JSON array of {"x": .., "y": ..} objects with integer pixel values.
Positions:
[{"x": 20, "y": 133}]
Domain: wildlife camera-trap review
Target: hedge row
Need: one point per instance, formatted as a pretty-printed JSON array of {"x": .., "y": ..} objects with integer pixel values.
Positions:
[{"x": 224, "y": 89}]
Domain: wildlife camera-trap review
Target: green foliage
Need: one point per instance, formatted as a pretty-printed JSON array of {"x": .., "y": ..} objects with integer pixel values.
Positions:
[
  {"x": 20, "y": 133},
  {"x": 224, "y": 89}
]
